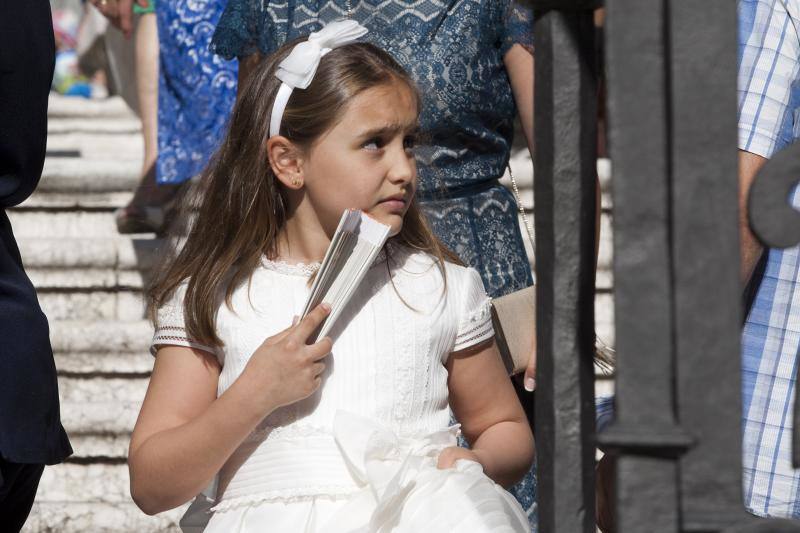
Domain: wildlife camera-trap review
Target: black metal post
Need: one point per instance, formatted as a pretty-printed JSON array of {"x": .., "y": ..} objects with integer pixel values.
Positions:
[
  {"x": 565, "y": 169},
  {"x": 645, "y": 434}
]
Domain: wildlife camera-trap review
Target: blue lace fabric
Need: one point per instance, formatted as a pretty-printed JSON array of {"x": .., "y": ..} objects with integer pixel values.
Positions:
[
  {"x": 196, "y": 88},
  {"x": 468, "y": 109},
  {"x": 454, "y": 50}
]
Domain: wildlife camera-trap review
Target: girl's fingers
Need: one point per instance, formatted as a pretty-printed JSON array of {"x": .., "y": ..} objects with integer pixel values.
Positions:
[
  {"x": 447, "y": 458},
  {"x": 278, "y": 337},
  {"x": 320, "y": 349},
  {"x": 317, "y": 369},
  {"x": 311, "y": 322}
]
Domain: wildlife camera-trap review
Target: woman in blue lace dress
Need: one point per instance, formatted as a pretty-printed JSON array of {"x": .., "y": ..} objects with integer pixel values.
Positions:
[
  {"x": 196, "y": 88},
  {"x": 472, "y": 60},
  {"x": 196, "y": 91}
]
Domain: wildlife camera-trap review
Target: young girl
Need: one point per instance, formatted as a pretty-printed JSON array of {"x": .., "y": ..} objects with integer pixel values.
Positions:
[{"x": 351, "y": 433}]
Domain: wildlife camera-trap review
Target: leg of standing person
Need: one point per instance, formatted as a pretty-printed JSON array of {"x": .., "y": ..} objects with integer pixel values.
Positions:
[
  {"x": 18, "y": 484},
  {"x": 146, "y": 212},
  {"x": 147, "y": 86}
]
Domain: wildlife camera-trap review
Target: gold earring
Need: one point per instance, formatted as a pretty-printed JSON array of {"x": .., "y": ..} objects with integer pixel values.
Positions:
[{"x": 297, "y": 182}]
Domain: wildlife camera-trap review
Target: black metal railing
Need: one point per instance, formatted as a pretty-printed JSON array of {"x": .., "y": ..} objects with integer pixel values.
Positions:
[{"x": 671, "y": 108}]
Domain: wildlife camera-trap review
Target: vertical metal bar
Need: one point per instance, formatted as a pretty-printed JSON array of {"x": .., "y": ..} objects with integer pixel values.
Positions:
[
  {"x": 706, "y": 259},
  {"x": 564, "y": 188},
  {"x": 645, "y": 434}
]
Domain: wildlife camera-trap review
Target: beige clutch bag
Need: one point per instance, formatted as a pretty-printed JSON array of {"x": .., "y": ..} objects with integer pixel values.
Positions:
[{"x": 514, "y": 318}]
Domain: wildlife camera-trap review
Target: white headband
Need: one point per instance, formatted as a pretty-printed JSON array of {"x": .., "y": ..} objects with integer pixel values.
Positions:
[{"x": 298, "y": 69}]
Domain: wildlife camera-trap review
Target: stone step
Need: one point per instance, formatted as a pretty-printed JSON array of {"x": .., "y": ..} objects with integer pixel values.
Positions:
[
  {"x": 99, "y": 363},
  {"x": 100, "y": 337},
  {"x": 100, "y": 405},
  {"x": 91, "y": 146},
  {"x": 60, "y": 106},
  {"x": 103, "y": 201},
  {"x": 86, "y": 279},
  {"x": 102, "y": 125},
  {"x": 92, "y": 498},
  {"x": 99, "y": 448},
  {"x": 522, "y": 167},
  {"x": 604, "y": 317},
  {"x": 67, "y": 224},
  {"x": 116, "y": 252},
  {"x": 81, "y": 176},
  {"x": 92, "y": 305},
  {"x": 88, "y": 516}
]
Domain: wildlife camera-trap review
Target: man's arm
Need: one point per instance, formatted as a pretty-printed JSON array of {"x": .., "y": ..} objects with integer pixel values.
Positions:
[
  {"x": 769, "y": 69},
  {"x": 751, "y": 249},
  {"x": 24, "y": 90}
]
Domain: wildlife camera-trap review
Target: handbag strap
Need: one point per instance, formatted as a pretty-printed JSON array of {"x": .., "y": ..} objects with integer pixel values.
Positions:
[
  {"x": 605, "y": 355},
  {"x": 525, "y": 221}
]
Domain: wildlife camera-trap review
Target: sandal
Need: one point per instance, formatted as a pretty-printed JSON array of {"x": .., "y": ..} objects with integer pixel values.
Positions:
[{"x": 152, "y": 208}]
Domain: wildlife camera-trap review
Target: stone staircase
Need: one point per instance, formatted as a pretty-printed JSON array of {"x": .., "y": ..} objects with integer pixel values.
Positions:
[{"x": 89, "y": 280}]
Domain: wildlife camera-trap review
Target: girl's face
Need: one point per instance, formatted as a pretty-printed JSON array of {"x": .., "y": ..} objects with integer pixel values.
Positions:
[{"x": 366, "y": 161}]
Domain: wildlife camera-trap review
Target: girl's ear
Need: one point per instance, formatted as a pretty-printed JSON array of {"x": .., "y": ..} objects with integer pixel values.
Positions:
[{"x": 286, "y": 162}]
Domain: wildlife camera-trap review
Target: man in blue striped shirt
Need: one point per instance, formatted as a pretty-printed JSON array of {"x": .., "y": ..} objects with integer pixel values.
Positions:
[{"x": 769, "y": 120}]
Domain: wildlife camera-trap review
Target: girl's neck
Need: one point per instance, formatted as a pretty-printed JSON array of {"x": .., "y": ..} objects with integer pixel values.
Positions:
[{"x": 302, "y": 241}]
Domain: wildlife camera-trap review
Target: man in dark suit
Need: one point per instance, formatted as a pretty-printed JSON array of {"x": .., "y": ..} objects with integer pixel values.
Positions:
[{"x": 31, "y": 434}]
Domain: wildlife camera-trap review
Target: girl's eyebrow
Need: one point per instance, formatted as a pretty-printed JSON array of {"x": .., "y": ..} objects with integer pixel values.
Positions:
[{"x": 390, "y": 130}]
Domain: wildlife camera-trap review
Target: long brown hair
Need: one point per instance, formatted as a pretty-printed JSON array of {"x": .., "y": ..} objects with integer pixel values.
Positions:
[{"x": 240, "y": 209}]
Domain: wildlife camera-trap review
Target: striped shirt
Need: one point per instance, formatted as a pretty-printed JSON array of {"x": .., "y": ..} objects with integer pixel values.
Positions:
[{"x": 769, "y": 120}]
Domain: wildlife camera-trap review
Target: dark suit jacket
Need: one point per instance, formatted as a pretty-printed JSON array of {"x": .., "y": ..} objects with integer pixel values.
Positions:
[{"x": 30, "y": 427}]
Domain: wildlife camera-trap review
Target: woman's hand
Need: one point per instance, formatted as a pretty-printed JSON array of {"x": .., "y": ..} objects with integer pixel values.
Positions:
[
  {"x": 108, "y": 8},
  {"x": 449, "y": 456},
  {"x": 291, "y": 367},
  {"x": 119, "y": 12},
  {"x": 530, "y": 373}
]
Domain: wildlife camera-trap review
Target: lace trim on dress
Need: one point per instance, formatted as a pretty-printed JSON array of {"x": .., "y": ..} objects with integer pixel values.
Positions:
[
  {"x": 333, "y": 492},
  {"x": 304, "y": 269},
  {"x": 176, "y": 336},
  {"x": 291, "y": 269},
  {"x": 287, "y": 432},
  {"x": 476, "y": 327}
]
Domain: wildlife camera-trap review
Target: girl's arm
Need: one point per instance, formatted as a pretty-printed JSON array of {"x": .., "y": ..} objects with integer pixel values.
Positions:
[
  {"x": 185, "y": 434},
  {"x": 491, "y": 417}
]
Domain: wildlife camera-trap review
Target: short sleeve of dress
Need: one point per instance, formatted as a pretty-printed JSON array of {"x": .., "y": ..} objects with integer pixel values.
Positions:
[
  {"x": 517, "y": 26},
  {"x": 475, "y": 318},
  {"x": 239, "y": 31},
  {"x": 171, "y": 326}
]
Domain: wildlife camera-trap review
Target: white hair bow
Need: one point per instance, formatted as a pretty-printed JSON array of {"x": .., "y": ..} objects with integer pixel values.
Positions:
[{"x": 299, "y": 68}]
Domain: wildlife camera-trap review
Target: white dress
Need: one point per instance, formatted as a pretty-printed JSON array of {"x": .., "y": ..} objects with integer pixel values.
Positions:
[{"x": 360, "y": 454}]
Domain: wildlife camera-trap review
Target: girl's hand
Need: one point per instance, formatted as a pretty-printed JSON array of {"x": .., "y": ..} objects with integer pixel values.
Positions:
[
  {"x": 450, "y": 455},
  {"x": 286, "y": 367}
]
